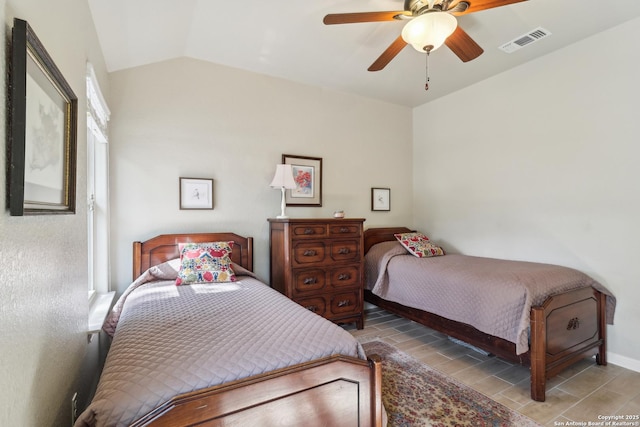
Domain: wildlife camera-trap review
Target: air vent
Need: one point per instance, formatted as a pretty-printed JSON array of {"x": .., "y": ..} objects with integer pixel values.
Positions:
[{"x": 525, "y": 40}]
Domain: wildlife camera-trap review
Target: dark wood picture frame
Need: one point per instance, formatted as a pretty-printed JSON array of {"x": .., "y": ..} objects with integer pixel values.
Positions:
[
  {"x": 380, "y": 199},
  {"x": 307, "y": 172},
  {"x": 43, "y": 131},
  {"x": 196, "y": 193}
]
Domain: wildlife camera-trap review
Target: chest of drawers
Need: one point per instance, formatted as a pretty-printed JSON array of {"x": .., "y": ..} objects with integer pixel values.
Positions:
[{"x": 319, "y": 264}]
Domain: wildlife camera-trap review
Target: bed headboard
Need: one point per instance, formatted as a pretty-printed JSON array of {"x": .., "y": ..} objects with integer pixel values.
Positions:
[
  {"x": 383, "y": 234},
  {"x": 165, "y": 247}
]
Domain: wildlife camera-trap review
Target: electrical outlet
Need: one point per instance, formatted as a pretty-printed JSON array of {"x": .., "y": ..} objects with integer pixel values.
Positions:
[{"x": 74, "y": 408}]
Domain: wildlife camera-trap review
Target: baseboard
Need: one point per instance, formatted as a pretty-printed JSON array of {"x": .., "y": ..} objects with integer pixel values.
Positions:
[{"x": 625, "y": 362}]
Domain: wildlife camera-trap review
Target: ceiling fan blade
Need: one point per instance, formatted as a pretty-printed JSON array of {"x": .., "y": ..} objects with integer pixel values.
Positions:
[
  {"x": 478, "y": 5},
  {"x": 390, "y": 53},
  {"x": 463, "y": 45},
  {"x": 352, "y": 18}
]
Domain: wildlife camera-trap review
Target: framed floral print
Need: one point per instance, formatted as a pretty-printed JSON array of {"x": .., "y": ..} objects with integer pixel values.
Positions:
[{"x": 307, "y": 173}]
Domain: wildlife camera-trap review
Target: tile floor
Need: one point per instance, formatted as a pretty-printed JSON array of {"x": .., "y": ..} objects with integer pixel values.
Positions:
[{"x": 580, "y": 395}]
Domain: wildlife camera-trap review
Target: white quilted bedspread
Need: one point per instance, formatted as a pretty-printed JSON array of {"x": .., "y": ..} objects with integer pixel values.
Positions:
[
  {"x": 493, "y": 295},
  {"x": 175, "y": 339}
]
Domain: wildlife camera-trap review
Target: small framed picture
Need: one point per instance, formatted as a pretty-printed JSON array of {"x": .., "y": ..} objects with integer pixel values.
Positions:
[
  {"x": 196, "y": 193},
  {"x": 380, "y": 199},
  {"x": 307, "y": 173}
]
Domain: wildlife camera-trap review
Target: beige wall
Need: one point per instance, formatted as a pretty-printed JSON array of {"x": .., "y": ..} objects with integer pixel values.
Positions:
[
  {"x": 542, "y": 165},
  {"x": 43, "y": 259},
  {"x": 189, "y": 118}
]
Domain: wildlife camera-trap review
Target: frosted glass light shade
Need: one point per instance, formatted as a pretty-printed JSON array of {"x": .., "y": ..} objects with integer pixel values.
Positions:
[{"x": 429, "y": 29}]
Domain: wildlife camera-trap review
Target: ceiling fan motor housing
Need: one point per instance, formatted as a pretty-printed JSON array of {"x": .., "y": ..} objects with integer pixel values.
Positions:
[{"x": 418, "y": 7}]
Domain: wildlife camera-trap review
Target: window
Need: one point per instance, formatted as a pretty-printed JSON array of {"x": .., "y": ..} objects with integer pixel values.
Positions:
[{"x": 97, "y": 188}]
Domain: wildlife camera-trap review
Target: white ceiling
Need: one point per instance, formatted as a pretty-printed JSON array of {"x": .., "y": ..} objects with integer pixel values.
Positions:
[{"x": 287, "y": 39}]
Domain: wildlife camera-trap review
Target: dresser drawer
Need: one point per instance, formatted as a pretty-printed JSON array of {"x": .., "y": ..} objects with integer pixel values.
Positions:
[
  {"x": 316, "y": 304},
  {"x": 345, "y": 250},
  {"x": 346, "y": 276},
  {"x": 345, "y": 303},
  {"x": 305, "y": 231},
  {"x": 344, "y": 230},
  {"x": 308, "y": 280},
  {"x": 335, "y": 306},
  {"x": 305, "y": 253}
]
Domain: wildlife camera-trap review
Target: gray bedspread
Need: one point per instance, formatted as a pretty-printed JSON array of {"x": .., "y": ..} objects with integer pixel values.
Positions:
[
  {"x": 494, "y": 296},
  {"x": 172, "y": 339}
]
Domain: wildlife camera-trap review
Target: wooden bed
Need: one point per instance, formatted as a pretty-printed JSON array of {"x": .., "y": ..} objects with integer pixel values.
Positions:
[
  {"x": 566, "y": 328},
  {"x": 336, "y": 390}
]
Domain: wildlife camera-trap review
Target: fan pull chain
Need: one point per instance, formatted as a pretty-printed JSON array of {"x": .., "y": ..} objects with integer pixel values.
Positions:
[{"x": 426, "y": 84}]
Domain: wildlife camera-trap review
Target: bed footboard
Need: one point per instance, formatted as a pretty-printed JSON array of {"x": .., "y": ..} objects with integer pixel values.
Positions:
[
  {"x": 566, "y": 328},
  {"x": 336, "y": 391}
]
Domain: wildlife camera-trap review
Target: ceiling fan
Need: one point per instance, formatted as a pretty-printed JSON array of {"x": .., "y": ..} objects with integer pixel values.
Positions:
[{"x": 430, "y": 24}]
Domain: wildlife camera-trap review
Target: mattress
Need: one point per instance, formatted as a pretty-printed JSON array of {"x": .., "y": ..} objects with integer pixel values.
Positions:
[{"x": 169, "y": 340}]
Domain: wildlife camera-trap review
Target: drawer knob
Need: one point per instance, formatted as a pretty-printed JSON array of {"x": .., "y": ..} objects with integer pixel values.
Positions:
[
  {"x": 309, "y": 252},
  {"x": 344, "y": 276},
  {"x": 310, "y": 281},
  {"x": 344, "y": 230},
  {"x": 344, "y": 303},
  {"x": 343, "y": 251},
  {"x": 573, "y": 324},
  {"x": 308, "y": 231},
  {"x": 313, "y": 308}
]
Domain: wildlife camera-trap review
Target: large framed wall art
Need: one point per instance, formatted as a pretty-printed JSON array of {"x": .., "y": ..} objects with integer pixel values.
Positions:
[{"x": 43, "y": 130}]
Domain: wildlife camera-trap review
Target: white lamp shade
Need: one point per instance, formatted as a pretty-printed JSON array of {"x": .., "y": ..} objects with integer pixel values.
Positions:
[
  {"x": 283, "y": 177},
  {"x": 429, "y": 29}
]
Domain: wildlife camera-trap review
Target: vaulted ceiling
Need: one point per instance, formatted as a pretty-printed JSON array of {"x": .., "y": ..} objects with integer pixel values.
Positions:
[{"x": 287, "y": 39}]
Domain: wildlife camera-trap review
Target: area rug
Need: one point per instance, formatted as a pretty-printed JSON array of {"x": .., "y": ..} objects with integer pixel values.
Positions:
[{"x": 415, "y": 395}]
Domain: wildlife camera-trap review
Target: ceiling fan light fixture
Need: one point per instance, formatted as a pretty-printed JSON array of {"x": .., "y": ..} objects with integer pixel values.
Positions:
[{"x": 428, "y": 31}]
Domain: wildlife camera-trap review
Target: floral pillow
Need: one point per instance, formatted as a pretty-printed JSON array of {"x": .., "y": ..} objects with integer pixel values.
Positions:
[
  {"x": 419, "y": 245},
  {"x": 205, "y": 263}
]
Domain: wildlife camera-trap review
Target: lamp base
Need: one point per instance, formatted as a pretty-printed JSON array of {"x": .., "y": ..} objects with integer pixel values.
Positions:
[{"x": 282, "y": 206}]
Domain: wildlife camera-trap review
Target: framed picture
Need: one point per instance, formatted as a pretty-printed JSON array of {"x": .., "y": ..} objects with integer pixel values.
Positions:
[
  {"x": 307, "y": 173},
  {"x": 380, "y": 199},
  {"x": 43, "y": 130},
  {"x": 196, "y": 193}
]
